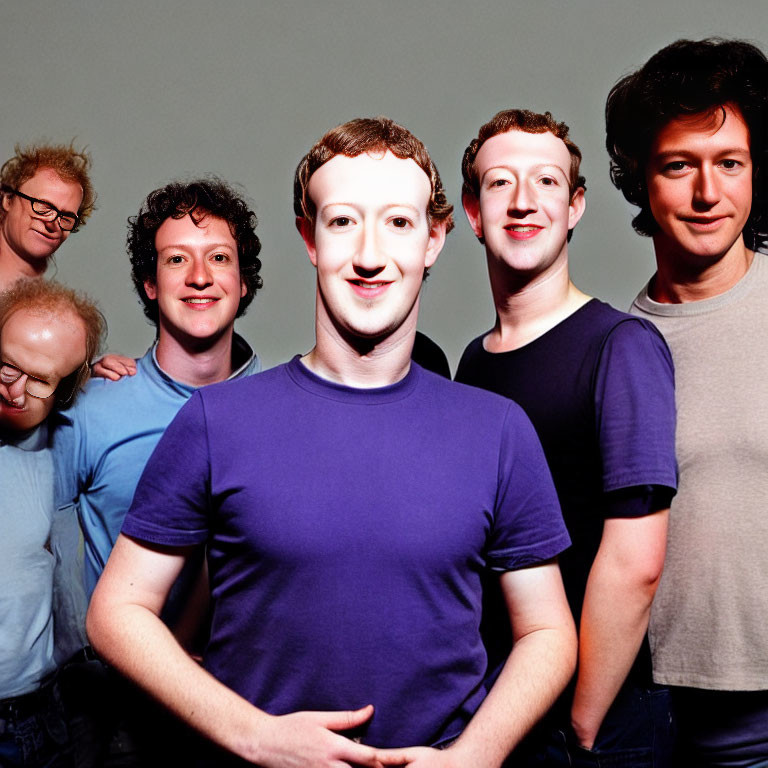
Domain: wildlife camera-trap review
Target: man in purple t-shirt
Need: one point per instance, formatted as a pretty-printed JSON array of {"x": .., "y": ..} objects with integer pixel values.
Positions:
[
  {"x": 351, "y": 504},
  {"x": 598, "y": 386}
]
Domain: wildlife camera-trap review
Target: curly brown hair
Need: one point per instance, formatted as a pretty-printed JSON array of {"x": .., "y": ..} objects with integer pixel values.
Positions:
[
  {"x": 518, "y": 120},
  {"x": 69, "y": 163},
  {"x": 370, "y": 134}
]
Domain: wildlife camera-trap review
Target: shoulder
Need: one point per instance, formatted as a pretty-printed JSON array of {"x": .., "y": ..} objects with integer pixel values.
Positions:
[
  {"x": 477, "y": 406},
  {"x": 257, "y": 384}
]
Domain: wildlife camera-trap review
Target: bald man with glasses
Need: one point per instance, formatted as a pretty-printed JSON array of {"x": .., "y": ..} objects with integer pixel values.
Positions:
[{"x": 47, "y": 334}]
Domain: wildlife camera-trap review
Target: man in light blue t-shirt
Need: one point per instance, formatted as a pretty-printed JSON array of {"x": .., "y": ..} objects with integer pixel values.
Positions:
[
  {"x": 195, "y": 266},
  {"x": 47, "y": 334}
]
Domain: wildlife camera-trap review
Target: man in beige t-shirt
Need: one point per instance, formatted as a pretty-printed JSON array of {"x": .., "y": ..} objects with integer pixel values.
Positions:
[{"x": 688, "y": 139}]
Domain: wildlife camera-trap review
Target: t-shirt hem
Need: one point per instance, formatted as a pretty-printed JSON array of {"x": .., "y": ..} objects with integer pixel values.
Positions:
[
  {"x": 618, "y": 482},
  {"x": 154, "y": 535},
  {"x": 682, "y": 680},
  {"x": 511, "y": 560}
]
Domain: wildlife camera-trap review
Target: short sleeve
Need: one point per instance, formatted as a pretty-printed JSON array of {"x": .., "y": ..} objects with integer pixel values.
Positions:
[
  {"x": 528, "y": 524},
  {"x": 635, "y": 408},
  {"x": 171, "y": 503}
]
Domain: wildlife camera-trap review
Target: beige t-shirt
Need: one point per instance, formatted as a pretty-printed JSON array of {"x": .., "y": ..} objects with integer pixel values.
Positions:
[{"x": 709, "y": 622}]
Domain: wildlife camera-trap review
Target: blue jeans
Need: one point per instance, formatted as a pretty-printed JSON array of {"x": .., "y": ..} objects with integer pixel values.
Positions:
[
  {"x": 637, "y": 733},
  {"x": 721, "y": 729},
  {"x": 33, "y": 731}
]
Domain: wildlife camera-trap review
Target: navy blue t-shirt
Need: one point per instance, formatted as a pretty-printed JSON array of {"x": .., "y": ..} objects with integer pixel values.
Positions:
[
  {"x": 348, "y": 531},
  {"x": 599, "y": 389}
]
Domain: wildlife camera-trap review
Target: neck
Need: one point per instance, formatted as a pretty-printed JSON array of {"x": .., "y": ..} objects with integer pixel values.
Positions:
[
  {"x": 13, "y": 266},
  {"x": 528, "y": 308},
  {"x": 361, "y": 362},
  {"x": 679, "y": 280},
  {"x": 196, "y": 362}
]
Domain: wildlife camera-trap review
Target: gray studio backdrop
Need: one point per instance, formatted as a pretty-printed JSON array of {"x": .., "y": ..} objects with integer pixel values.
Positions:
[{"x": 159, "y": 90}]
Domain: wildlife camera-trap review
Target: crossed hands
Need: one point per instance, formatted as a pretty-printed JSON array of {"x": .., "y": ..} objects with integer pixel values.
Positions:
[{"x": 313, "y": 740}]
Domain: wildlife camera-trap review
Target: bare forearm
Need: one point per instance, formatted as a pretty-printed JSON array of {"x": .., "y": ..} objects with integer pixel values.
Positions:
[
  {"x": 537, "y": 671},
  {"x": 138, "y": 644},
  {"x": 617, "y": 604}
]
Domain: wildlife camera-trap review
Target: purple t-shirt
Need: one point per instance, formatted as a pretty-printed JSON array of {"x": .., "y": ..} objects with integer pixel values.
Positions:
[{"x": 347, "y": 531}]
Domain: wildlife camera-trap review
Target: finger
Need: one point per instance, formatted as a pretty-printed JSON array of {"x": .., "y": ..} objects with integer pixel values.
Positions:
[
  {"x": 359, "y": 754},
  {"x": 395, "y": 756},
  {"x": 345, "y": 720},
  {"x": 105, "y": 373}
]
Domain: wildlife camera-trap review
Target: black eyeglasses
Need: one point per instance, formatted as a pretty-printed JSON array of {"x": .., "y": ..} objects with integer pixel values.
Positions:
[
  {"x": 68, "y": 221},
  {"x": 38, "y": 388}
]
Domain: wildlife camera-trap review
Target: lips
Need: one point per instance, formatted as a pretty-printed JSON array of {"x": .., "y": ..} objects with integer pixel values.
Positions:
[
  {"x": 49, "y": 238},
  {"x": 703, "y": 223},
  {"x": 522, "y": 231},
  {"x": 369, "y": 288},
  {"x": 200, "y": 302}
]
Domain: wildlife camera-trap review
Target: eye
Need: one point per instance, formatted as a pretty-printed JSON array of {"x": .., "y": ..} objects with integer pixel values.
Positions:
[
  {"x": 548, "y": 181},
  {"x": 498, "y": 182},
  {"x": 400, "y": 222},
  {"x": 730, "y": 165},
  {"x": 175, "y": 259},
  {"x": 674, "y": 166},
  {"x": 221, "y": 258},
  {"x": 341, "y": 221}
]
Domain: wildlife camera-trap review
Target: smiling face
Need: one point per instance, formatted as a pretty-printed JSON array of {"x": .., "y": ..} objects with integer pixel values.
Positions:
[
  {"x": 370, "y": 243},
  {"x": 28, "y": 235},
  {"x": 45, "y": 346},
  {"x": 699, "y": 177},
  {"x": 525, "y": 208},
  {"x": 198, "y": 286}
]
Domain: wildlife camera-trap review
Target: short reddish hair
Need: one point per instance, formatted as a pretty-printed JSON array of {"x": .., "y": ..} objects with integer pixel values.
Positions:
[
  {"x": 370, "y": 134},
  {"x": 69, "y": 163},
  {"x": 48, "y": 296},
  {"x": 528, "y": 122}
]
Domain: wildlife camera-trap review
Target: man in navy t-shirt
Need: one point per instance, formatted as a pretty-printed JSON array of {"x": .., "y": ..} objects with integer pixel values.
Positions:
[
  {"x": 598, "y": 386},
  {"x": 351, "y": 503}
]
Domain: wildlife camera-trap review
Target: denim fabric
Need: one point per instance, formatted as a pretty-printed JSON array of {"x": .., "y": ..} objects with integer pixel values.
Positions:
[
  {"x": 636, "y": 733},
  {"x": 721, "y": 729},
  {"x": 38, "y": 739}
]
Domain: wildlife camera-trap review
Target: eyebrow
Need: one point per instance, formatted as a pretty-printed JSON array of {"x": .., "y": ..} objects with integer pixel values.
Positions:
[
  {"x": 538, "y": 167},
  {"x": 184, "y": 246},
  {"x": 688, "y": 153},
  {"x": 386, "y": 207},
  {"x": 45, "y": 377},
  {"x": 49, "y": 203}
]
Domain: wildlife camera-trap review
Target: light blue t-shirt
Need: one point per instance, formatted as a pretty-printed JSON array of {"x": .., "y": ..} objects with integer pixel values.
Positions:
[
  {"x": 106, "y": 439},
  {"x": 26, "y": 562}
]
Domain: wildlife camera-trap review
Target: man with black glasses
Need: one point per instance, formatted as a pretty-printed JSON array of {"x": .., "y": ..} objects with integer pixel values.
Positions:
[
  {"x": 47, "y": 333},
  {"x": 45, "y": 193}
]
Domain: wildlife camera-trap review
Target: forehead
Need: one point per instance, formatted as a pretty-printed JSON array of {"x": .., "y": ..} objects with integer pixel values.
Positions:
[
  {"x": 520, "y": 148},
  {"x": 379, "y": 179},
  {"x": 186, "y": 232},
  {"x": 723, "y": 127},
  {"x": 48, "y": 185},
  {"x": 41, "y": 341}
]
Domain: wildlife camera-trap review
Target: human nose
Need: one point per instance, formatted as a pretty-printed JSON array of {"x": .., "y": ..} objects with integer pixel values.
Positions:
[
  {"x": 17, "y": 391},
  {"x": 368, "y": 257},
  {"x": 199, "y": 274},
  {"x": 707, "y": 190},
  {"x": 522, "y": 199}
]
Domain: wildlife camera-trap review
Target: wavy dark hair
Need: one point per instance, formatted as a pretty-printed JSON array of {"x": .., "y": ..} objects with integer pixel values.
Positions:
[
  {"x": 688, "y": 77},
  {"x": 198, "y": 198}
]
